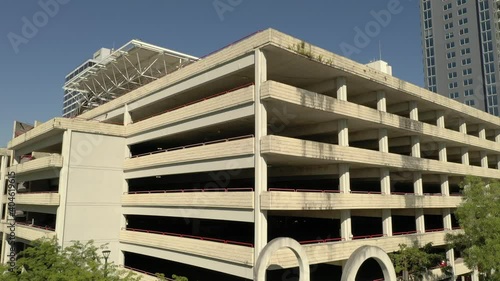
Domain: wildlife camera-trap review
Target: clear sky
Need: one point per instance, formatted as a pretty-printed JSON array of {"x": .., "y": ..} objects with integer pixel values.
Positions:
[{"x": 34, "y": 62}]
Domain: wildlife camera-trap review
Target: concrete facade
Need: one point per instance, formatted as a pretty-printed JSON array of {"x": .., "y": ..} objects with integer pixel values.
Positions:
[{"x": 269, "y": 137}]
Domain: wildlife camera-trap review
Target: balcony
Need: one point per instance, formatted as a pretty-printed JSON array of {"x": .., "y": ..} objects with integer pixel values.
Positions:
[
  {"x": 192, "y": 158},
  {"x": 230, "y": 257},
  {"x": 307, "y": 199},
  {"x": 37, "y": 198},
  {"x": 52, "y": 162},
  {"x": 31, "y": 232}
]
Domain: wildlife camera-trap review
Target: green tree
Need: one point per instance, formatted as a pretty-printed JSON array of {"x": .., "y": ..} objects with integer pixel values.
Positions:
[
  {"x": 412, "y": 262},
  {"x": 161, "y": 277},
  {"x": 479, "y": 217},
  {"x": 46, "y": 260}
]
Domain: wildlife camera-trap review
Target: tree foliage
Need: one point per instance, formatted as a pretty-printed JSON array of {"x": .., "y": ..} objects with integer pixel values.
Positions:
[
  {"x": 46, "y": 260},
  {"x": 413, "y": 261},
  {"x": 479, "y": 217}
]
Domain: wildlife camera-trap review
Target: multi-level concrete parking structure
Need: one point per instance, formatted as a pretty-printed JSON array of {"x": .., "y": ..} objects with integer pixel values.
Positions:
[
  {"x": 269, "y": 137},
  {"x": 461, "y": 46}
]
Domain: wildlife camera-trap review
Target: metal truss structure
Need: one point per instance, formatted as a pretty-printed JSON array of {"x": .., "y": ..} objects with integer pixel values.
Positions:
[{"x": 129, "y": 67}]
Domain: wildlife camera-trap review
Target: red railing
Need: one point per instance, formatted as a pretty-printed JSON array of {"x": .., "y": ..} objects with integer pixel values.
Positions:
[
  {"x": 435, "y": 230},
  {"x": 368, "y": 236},
  {"x": 37, "y": 192},
  {"x": 456, "y": 227},
  {"x": 243, "y": 189},
  {"x": 36, "y": 226},
  {"x": 193, "y": 145},
  {"x": 229, "y": 242},
  {"x": 365, "y": 192},
  {"x": 320, "y": 241},
  {"x": 402, "y": 193},
  {"x": 144, "y": 272},
  {"x": 303, "y": 190},
  {"x": 404, "y": 232},
  {"x": 196, "y": 101}
]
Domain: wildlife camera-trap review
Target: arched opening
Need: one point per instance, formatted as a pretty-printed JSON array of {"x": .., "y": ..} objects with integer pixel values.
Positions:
[
  {"x": 272, "y": 247},
  {"x": 370, "y": 270},
  {"x": 360, "y": 256}
]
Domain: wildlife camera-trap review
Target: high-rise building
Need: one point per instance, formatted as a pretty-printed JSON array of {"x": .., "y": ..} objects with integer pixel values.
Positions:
[
  {"x": 195, "y": 173},
  {"x": 460, "y": 40},
  {"x": 73, "y": 97}
]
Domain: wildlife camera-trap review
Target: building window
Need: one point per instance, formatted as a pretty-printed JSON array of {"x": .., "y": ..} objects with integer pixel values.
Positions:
[
  {"x": 470, "y": 102},
  {"x": 464, "y": 31},
  {"x": 447, "y": 7},
  {"x": 452, "y": 75},
  {"x": 461, "y": 2},
  {"x": 464, "y": 41},
  {"x": 462, "y": 21},
  {"x": 448, "y": 25},
  {"x": 450, "y": 45},
  {"x": 465, "y": 51},
  {"x": 451, "y": 55},
  {"x": 454, "y": 95},
  {"x": 466, "y": 61},
  {"x": 469, "y": 92},
  {"x": 448, "y": 16},
  {"x": 468, "y": 82},
  {"x": 462, "y": 11},
  {"x": 449, "y": 35},
  {"x": 452, "y": 65},
  {"x": 467, "y": 71},
  {"x": 453, "y": 85}
]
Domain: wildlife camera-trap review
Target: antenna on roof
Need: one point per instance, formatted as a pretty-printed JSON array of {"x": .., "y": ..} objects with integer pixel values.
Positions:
[{"x": 380, "y": 49}]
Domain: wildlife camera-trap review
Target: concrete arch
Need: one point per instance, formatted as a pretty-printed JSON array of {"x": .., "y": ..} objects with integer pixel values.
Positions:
[
  {"x": 364, "y": 253},
  {"x": 273, "y": 246}
]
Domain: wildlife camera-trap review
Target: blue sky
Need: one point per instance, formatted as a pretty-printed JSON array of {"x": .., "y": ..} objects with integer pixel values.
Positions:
[{"x": 31, "y": 79}]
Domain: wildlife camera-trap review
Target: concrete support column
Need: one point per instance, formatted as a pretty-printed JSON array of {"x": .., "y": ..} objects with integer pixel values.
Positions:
[
  {"x": 482, "y": 132},
  {"x": 484, "y": 155},
  {"x": 440, "y": 119},
  {"x": 381, "y": 101},
  {"x": 443, "y": 153},
  {"x": 465, "y": 155},
  {"x": 385, "y": 181},
  {"x": 417, "y": 183},
  {"x": 484, "y": 159},
  {"x": 343, "y": 132},
  {"x": 475, "y": 275},
  {"x": 445, "y": 185},
  {"x": 63, "y": 188},
  {"x": 345, "y": 225},
  {"x": 447, "y": 219},
  {"x": 260, "y": 216},
  {"x": 415, "y": 146},
  {"x": 413, "y": 110},
  {"x": 341, "y": 88},
  {"x": 419, "y": 220},
  {"x": 383, "y": 140},
  {"x": 462, "y": 126},
  {"x": 344, "y": 178},
  {"x": 387, "y": 222},
  {"x": 127, "y": 117},
  {"x": 3, "y": 179},
  {"x": 450, "y": 256}
]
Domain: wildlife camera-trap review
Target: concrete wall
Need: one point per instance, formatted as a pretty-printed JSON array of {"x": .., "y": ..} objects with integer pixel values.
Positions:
[{"x": 92, "y": 191}]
